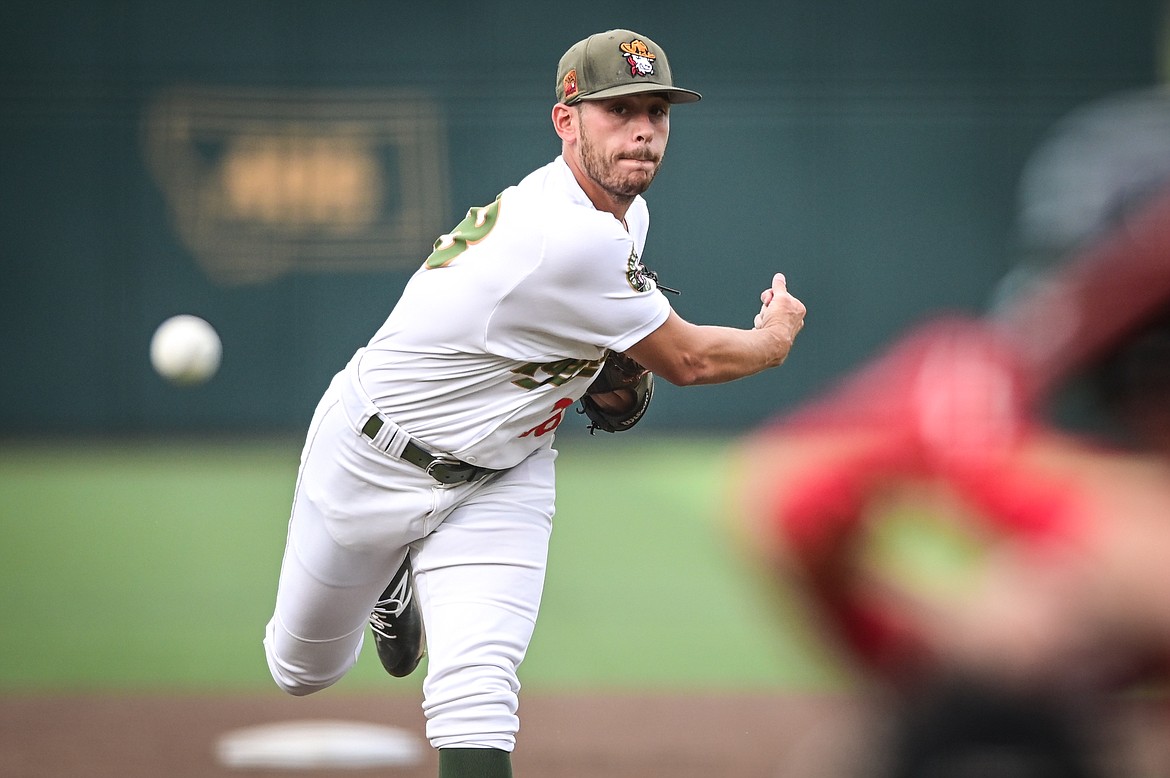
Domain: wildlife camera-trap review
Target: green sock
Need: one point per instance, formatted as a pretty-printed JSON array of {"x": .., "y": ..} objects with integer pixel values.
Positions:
[{"x": 474, "y": 763}]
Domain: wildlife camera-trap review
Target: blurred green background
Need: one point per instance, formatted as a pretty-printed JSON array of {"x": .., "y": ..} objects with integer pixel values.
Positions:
[
  {"x": 153, "y": 566},
  {"x": 279, "y": 167}
]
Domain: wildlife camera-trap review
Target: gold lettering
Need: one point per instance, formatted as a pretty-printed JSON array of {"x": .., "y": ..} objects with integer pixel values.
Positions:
[
  {"x": 302, "y": 182},
  {"x": 559, "y": 373}
]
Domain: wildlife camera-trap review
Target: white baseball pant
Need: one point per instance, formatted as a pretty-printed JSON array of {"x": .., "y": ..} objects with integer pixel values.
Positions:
[{"x": 479, "y": 552}]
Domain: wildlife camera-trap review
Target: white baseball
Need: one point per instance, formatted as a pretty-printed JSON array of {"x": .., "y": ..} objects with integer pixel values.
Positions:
[{"x": 185, "y": 350}]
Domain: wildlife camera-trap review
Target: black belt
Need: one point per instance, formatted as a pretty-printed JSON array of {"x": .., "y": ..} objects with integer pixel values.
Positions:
[{"x": 445, "y": 470}]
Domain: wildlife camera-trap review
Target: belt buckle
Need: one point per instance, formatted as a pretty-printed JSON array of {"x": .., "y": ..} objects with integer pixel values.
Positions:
[{"x": 448, "y": 471}]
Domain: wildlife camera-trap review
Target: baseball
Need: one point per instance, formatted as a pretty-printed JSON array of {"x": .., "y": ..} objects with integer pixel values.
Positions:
[{"x": 185, "y": 350}]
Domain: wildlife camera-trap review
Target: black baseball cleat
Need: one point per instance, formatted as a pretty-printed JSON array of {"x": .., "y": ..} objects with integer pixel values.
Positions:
[{"x": 397, "y": 625}]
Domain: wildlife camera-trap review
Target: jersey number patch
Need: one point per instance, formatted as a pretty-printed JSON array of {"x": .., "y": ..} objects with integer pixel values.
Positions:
[
  {"x": 552, "y": 422},
  {"x": 475, "y": 227}
]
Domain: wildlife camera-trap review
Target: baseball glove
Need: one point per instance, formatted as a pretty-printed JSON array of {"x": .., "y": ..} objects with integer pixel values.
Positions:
[{"x": 618, "y": 372}]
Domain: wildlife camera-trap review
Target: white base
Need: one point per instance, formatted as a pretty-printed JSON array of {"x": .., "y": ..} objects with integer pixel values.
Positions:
[{"x": 319, "y": 744}]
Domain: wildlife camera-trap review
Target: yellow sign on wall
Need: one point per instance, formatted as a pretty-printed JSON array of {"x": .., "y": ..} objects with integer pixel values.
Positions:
[{"x": 263, "y": 182}]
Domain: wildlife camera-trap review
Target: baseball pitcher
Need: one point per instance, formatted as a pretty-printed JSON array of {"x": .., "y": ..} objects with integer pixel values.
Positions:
[{"x": 425, "y": 496}]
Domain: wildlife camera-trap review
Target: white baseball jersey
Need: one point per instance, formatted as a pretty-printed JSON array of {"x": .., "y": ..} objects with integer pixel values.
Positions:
[{"x": 502, "y": 329}]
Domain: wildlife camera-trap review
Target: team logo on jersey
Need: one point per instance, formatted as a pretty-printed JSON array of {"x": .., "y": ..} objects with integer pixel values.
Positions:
[
  {"x": 569, "y": 83},
  {"x": 639, "y": 57},
  {"x": 636, "y": 273}
]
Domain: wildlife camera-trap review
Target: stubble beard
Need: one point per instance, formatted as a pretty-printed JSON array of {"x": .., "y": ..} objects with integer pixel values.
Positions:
[{"x": 606, "y": 174}]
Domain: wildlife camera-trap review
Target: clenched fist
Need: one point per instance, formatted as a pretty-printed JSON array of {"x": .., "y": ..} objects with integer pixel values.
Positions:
[{"x": 780, "y": 309}]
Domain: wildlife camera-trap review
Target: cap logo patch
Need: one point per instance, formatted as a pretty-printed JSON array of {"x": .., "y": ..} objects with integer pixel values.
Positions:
[
  {"x": 639, "y": 57},
  {"x": 569, "y": 83}
]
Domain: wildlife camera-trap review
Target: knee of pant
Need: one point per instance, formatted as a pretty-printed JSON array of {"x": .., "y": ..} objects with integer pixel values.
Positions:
[
  {"x": 296, "y": 690},
  {"x": 297, "y": 679},
  {"x": 298, "y": 684}
]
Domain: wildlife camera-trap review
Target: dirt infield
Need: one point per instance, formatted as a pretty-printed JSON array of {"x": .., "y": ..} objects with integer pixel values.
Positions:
[{"x": 621, "y": 736}]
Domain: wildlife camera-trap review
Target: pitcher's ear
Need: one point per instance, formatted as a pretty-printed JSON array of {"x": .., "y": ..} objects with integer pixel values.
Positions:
[{"x": 564, "y": 119}]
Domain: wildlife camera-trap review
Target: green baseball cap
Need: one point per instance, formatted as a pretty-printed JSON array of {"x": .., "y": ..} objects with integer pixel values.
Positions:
[{"x": 615, "y": 63}]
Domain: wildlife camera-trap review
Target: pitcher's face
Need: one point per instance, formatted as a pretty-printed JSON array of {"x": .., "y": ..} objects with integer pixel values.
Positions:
[{"x": 621, "y": 141}]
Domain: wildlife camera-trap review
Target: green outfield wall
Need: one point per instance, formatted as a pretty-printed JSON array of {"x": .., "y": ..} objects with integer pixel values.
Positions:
[{"x": 280, "y": 168}]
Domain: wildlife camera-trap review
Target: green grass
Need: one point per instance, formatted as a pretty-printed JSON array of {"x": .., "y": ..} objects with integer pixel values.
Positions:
[{"x": 153, "y": 566}]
